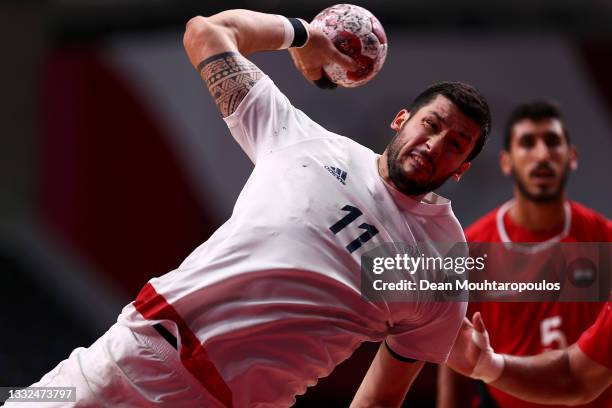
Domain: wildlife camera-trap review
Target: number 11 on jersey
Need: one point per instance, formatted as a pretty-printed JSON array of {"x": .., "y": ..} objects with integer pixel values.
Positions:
[{"x": 353, "y": 214}]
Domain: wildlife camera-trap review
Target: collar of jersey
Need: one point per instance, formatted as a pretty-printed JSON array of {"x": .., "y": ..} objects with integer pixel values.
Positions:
[
  {"x": 504, "y": 237},
  {"x": 408, "y": 203}
]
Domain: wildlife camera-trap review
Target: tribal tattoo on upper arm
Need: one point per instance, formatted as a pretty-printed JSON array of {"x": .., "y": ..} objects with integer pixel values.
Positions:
[{"x": 229, "y": 76}]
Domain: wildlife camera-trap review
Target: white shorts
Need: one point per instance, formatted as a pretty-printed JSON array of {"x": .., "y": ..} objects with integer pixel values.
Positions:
[{"x": 125, "y": 369}]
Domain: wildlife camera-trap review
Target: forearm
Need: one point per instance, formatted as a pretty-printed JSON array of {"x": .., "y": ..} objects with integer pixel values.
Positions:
[
  {"x": 241, "y": 31},
  {"x": 545, "y": 378},
  {"x": 566, "y": 377},
  {"x": 386, "y": 382},
  {"x": 454, "y": 389}
]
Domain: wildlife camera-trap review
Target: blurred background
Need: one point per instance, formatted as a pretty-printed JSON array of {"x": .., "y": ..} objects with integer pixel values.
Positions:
[{"x": 115, "y": 164}]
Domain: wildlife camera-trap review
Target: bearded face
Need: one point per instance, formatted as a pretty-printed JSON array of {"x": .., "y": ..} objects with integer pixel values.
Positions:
[
  {"x": 539, "y": 159},
  {"x": 431, "y": 145}
]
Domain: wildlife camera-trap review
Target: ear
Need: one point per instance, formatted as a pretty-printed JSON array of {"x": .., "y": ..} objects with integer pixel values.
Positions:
[
  {"x": 401, "y": 117},
  {"x": 461, "y": 170},
  {"x": 573, "y": 158},
  {"x": 505, "y": 162}
]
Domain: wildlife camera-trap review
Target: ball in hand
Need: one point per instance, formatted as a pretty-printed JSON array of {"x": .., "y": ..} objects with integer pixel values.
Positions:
[{"x": 357, "y": 33}]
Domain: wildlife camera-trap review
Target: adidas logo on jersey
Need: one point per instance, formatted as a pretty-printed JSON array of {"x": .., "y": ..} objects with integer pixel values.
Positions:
[{"x": 337, "y": 173}]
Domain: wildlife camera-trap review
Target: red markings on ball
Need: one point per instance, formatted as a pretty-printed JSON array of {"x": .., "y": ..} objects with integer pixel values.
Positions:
[
  {"x": 366, "y": 65},
  {"x": 348, "y": 43},
  {"x": 357, "y": 33}
]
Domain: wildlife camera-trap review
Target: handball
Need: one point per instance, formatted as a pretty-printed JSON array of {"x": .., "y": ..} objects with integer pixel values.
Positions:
[{"x": 357, "y": 33}]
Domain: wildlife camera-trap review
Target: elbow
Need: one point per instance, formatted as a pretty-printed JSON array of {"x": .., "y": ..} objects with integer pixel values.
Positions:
[
  {"x": 226, "y": 24},
  {"x": 194, "y": 23},
  {"x": 196, "y": 31},
  {"x": 206, "y": 36}
]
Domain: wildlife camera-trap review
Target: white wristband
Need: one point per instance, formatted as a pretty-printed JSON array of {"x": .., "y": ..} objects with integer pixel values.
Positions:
[{"x": 490, "y": 365}]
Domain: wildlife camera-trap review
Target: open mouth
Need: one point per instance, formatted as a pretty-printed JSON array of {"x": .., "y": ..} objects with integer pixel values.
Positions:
[{"x": 420, "y": 163}]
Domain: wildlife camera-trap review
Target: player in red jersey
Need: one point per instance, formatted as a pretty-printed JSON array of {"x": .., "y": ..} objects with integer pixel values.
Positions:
[
  {"x": 538, "y": 155},
  {"x": 572, "y": 376}
]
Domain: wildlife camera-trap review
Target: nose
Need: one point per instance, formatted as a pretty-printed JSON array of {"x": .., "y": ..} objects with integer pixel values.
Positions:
[
  {"x": 540, "y": 150},
  {"x": 434, "y": 145}
]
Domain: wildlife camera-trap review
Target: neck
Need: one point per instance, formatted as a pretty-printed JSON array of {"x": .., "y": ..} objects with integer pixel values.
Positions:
[
  {"x": 383, "y": 171},
  {"x": 537, "y": 217}
]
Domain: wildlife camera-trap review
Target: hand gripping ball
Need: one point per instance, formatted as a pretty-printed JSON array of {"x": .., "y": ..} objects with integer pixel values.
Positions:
[{"x": 355, "y": 32}]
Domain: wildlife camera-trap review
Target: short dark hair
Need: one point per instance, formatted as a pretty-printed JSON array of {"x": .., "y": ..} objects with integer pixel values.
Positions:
[
  {"x": 536, "y": 111},
  {"x": 469, "y": 101}
]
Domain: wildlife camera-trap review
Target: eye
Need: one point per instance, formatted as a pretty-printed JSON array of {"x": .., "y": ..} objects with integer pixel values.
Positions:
[
  {"x": 455, "y": 145},
  {"x": 552, "y": 139},
  {"x": 526, "y": 141},
  {"x": 430, "y": 124}
]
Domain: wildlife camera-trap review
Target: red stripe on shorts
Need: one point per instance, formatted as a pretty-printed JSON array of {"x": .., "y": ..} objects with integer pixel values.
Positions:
[{"x": 153, "y": 306}]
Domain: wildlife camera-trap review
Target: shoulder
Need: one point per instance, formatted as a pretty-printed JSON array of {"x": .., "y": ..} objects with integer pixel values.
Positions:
[
  {"x": 594, "y": 342},
  {"x": 484, "y": 229},
  {"x": 353, "y": 146},
  {"x": 587, "y": 214},
  {"x": 263, "y": 92},
  {"x": 343, "y": 149},
  {"x": 590, "y": 225}
]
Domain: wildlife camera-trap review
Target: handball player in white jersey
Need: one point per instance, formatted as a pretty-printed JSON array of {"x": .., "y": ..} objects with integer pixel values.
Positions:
[{"x": 272, "y": 302}]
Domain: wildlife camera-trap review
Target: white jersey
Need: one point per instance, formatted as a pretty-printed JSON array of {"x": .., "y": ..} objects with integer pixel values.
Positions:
[{"x": 273, "y": 298}]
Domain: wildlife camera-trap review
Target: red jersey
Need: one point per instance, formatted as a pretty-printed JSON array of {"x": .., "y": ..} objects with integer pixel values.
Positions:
[
  {"x": 527, "y": 328},
  {"x": 596, "y": 342}
]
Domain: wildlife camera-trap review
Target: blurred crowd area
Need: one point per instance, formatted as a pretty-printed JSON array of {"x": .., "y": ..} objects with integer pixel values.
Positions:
[{"x": 115, "y": 163}]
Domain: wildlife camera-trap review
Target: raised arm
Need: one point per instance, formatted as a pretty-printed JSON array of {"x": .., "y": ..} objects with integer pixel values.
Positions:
[
  {"x": 566, "y": 376},
  {"x": 217, "y": 46}
]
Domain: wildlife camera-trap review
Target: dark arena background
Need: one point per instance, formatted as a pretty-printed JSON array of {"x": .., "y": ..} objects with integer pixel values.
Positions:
[{"x": 115, "y": 164}]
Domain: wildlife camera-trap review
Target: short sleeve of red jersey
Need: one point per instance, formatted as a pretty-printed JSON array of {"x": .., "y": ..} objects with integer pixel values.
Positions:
[
  {"x": 589, "y": 225},
  {"x": 596, "y": 342}
]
